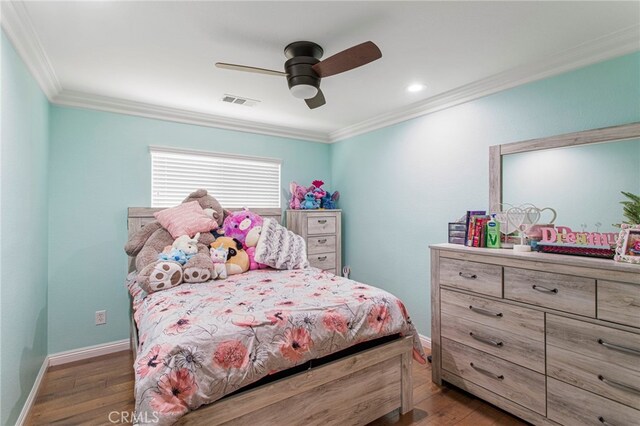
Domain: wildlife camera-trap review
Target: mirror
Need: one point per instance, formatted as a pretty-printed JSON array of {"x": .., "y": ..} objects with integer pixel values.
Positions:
[
  {"x": 579, "y": 175},
  {"x": 581, "y": 183}
]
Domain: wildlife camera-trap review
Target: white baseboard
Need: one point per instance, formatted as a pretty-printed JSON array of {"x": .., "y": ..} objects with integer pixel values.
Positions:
[
  {"x": 88, "y": 352},
  {"x": 64, "y": 358},
  {"x": 426, "y": 341},
  {"x": 33, "y": 394}
]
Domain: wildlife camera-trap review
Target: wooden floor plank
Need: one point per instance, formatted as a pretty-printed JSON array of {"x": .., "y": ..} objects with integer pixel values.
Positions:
[{"x": 85, "y": 392}]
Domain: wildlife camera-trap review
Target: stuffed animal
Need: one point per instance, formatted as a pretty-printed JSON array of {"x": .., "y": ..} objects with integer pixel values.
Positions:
[
  {"x": 245, "y": 226},
  {"x": 318, "y": 192},
  {"x": 175, "y": 256},
  {"x": 297, "y": 195},
  {"x": 219, "y": 259},
  {"x": 310, "y": 201},
  {"x": 149, "y": 242},
  {"x": 329, "y": 201},
  {"x": 186, "y": 244},
  {"x": 237, "y": 258}
]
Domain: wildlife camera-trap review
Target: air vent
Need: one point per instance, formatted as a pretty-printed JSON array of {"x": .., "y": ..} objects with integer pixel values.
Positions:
[{"x": 238, "y": 100}]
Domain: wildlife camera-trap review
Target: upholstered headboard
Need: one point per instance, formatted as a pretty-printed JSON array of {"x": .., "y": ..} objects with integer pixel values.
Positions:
[{"x": 139, "y": 216}]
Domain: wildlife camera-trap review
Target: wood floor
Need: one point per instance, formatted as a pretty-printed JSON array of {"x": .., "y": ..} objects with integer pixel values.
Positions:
[{"x": 95, "y": 392}]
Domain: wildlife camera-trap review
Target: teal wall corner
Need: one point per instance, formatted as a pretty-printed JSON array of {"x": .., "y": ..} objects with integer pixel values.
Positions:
[{"x": 400, "y": 185}]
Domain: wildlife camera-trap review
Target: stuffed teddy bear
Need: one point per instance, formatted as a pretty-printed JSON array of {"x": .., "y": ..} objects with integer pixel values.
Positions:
[
  {"x": 219, "y": 259},
  {"x": 237, "y": 258},
  {"x": 149, "y": 242},
  {"x": 245, "y": 226},
  {"x": 310, "y": 201}
]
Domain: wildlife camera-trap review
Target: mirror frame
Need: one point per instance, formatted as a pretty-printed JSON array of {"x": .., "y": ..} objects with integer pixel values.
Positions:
[{"x": 606, "y": 134}]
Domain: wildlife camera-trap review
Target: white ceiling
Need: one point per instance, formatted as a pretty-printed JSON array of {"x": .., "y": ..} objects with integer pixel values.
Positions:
[{"x": 162, "y": 53}]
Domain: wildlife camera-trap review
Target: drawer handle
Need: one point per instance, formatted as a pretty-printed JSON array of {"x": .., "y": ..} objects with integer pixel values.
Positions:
[
  {"x": 618, "y": 347},
  {"x": 322, "y": 258},
  {"x": 618, "y": 384},
  {"x": 322, "y": 241},
  {"x": 485, "y": 312},
  {"x": 470, "y": 276},
  {"x": 322, "y": 221},
  {"x": 603, "y": 421},
  {"x": 486, "y": 340},
  {"x": 487, "y": 372},
  {"x": 545, "y": 289}
]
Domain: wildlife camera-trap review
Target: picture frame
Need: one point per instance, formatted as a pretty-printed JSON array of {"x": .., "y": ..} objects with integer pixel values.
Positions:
[{"x": 628, "y": 244}]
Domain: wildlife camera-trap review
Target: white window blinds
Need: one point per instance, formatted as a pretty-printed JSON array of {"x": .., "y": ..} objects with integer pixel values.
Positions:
[{"x": 235, "y": 181}]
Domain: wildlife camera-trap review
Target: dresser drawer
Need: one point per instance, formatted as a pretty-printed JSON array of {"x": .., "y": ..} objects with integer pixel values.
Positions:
[
  {"x": 323, "y": 261},
  {"x": 321, "y": 225},
  {"x": 619, "y": 302},
  {"x": 556, "y": 291},
  {"x": 510, "y": 332},
  {"x": 595, "y": 358},
  {"x": 569, "y": 405},
  {"x": 472, "y": 276},
  {"x": 501, "y": 377},
  {"x": 322, "y": 244}
]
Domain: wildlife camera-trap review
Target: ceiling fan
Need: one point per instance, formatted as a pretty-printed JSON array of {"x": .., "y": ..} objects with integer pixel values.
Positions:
[{"x": 304, "y": 69}]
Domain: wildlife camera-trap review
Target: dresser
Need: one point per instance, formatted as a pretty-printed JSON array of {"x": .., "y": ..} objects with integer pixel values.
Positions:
[
  {"x": 552, "y": 339},
  {"x": 322, "y": 230}
]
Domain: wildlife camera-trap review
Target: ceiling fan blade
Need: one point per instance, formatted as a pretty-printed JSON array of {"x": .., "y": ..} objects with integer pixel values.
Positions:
[
  {"x": 236, "y": 67},
  {"x": 317, "y": 101},
  {"x": 348, "y": 59}
]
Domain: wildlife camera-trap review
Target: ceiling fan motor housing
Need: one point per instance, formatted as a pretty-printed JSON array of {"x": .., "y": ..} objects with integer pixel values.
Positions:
[{"x": 302, "y": 56}]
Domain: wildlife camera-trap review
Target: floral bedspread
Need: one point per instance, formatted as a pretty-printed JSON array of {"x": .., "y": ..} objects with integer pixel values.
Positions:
[{"x": 199, "y": 342}]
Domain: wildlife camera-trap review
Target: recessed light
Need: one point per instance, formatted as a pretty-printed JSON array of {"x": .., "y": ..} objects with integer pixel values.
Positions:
[{"x": 415, "y": 87}]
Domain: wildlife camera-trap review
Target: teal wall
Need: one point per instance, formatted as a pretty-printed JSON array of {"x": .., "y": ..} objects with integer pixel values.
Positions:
[
  {"x": 100, "y": 165},
  {"x": 400, "y": 185},
  {"x": 23, "y": 223}
]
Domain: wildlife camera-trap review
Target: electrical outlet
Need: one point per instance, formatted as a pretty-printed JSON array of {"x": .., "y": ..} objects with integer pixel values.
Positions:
[{"x": 101, "y": 317}]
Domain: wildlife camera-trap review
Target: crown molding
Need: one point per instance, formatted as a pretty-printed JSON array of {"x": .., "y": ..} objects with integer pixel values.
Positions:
[
  {"x": 610, "y": 46},
  {"x": 104, "y": 103},
  {"x": 19, "y": 28}
]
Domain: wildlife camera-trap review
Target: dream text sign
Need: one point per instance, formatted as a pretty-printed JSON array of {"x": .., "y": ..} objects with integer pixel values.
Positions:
[{"x": 563, "y": 235}]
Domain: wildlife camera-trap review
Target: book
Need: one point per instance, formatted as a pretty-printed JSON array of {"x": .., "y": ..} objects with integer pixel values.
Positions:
[{"x": 468, "y": 228}]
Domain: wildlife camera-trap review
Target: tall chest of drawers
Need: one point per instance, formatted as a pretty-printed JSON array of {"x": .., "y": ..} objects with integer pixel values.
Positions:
[
  {"x": 322, "y": 231},
  {"x": 552, "y": 339}
]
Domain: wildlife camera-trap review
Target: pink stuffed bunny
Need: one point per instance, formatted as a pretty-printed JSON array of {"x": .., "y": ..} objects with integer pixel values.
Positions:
[{"x": 297, "y": 195}]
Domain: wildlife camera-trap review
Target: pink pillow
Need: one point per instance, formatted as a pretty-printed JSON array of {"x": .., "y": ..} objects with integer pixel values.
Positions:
[{"x": 185, "y": 219}]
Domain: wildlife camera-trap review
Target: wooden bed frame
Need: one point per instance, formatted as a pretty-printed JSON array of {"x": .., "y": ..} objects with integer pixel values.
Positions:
[{"x": 353, "y": 390}]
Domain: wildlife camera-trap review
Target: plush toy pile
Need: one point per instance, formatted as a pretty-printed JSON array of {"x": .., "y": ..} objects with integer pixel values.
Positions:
[
  {"x": 198, "y": 241},
  {"x": 312, "y": 197}
]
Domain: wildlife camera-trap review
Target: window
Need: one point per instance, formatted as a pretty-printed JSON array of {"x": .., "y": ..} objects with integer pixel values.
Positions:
[{"x": 236, "y": 181}]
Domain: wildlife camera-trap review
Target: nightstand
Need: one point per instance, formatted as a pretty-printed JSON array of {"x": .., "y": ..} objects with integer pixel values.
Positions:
[{"x": 322, "y": 231}]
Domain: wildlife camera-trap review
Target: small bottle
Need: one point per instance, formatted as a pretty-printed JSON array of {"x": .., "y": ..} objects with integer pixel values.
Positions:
[{"x": 493, "y": 233}]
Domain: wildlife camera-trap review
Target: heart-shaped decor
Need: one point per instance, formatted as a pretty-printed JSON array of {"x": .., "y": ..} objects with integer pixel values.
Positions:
[
  {"x": 501, "y": 218},
  {"x": 553, "y": 213},
  {"x": 516, "y": 217}
]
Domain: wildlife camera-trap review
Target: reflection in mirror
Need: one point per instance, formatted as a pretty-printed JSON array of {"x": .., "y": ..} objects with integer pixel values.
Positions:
[{"x": 581, "y": 183}]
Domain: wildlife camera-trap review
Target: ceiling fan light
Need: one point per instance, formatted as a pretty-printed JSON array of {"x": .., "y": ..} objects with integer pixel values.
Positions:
[{"x": 304, "y": 91}]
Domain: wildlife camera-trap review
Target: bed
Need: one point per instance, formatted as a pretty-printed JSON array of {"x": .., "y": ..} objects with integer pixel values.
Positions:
[{"x": 249, "y": 349}]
